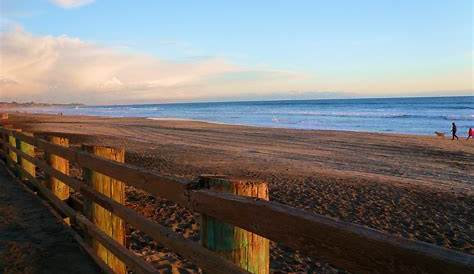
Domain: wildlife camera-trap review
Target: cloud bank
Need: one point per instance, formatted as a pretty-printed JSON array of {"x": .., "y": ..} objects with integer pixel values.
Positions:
[
  {"x": 63, "y": 69},
  {"x": 66, "y": 69},
  {"x": 69, "y": 4}
]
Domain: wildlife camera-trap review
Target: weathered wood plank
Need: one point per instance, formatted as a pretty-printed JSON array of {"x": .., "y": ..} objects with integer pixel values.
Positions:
[
  {"x": 13, "y": 158},
  {"x": 109, "y": 223},
  {"x": 5, "y": 139},
  {"x": 163, "y": 186},
  {"x": 122, "y": 253},
  {"x": 56, "y": 186},
  {"x": 30, "y": 150},
  {"x": 135, "y": 263},
  {"x": 353, "y": 247},
  {"x": 347, "y": 245},
  {"x": 192, "y": 251},
  {"x": 245, "y": 249},
  {"x": 105, "y": 268}
]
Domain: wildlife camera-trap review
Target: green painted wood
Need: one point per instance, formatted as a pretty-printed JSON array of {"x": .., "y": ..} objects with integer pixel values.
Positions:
[{"x": 247, "y": 250}]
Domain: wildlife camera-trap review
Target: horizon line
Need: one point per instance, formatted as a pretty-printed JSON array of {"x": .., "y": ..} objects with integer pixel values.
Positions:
[{"x": 247, "y": 101}]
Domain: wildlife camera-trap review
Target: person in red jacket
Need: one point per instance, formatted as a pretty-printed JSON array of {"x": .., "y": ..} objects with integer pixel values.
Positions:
[{"x": 470, "y": 133}]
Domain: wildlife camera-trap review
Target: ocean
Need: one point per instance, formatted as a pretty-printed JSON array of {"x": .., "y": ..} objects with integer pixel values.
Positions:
[{"x": 421, "y": 115}]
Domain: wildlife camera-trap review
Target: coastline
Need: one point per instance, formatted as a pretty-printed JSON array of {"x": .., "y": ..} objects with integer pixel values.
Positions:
[
  {"x": 389, "y": 133},
  {"x": 413, "y": 116},
  {"x": 418, "y": 187},
  {"x": 256, "y": 126},
  {"x": 101, "y": 128}
]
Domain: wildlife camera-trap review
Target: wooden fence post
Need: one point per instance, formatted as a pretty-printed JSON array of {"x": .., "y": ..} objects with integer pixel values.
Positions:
[
  {"x": 4, "y": 137},
  {"x": 13, "y": 158},
  {"x": 59, "y": 189},
  {"x": 247, "y": 250},
  {"x": 25, "y": 164},
  {"x": 104, "y": 219}
]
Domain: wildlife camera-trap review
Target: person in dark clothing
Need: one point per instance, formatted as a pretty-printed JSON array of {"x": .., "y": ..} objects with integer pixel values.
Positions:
[
  {"x": 454, "y": 129},
  {"x": 470, "y": 133}
]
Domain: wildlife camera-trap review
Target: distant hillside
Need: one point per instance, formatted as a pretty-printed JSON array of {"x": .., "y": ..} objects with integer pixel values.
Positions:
[{"x": 34, "y": 104}]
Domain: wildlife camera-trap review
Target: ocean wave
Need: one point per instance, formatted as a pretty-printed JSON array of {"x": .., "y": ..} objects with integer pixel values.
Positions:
[
  {"x": 373, "y": 115},
  {"x": 451, "y": 107},
  {"x": 122, "y": 110},
  {"x": 443, "y": 117}
]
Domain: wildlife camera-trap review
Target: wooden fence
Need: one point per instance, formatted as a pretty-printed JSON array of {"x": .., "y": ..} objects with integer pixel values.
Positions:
[{"x": 350, "y": 246}]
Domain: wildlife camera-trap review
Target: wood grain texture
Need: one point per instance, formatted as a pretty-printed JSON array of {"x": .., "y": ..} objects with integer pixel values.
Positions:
[
  {"x": 30, "y": 150},
  {"x": 168, "y": 187},
  {"x": 135, "y": 263},
  {"x": 111, "y": 224},
  {"x": 246, "y": 249},
  {"x": 59, "y": 189},
  {"x": 354, "y": 247},
  {"x": 12, "y": 158},
  {"x": 207, "y": 260}
]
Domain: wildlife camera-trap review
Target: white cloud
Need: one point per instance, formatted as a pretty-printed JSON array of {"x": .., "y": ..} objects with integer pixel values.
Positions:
[
  {"x": 65, "y": 69},
  {"x": 69, "y": 4}
]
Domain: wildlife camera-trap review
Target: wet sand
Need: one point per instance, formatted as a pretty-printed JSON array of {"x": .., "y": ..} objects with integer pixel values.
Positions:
[{"x": 418, "y": 187}]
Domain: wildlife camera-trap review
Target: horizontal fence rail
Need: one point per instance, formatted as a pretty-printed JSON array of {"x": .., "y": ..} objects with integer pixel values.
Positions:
[
  {"x": 104, "y": 267},
  {"x": 206, "y": 259},
  {"x": 159, "y": 233},
  {"x": 350, "y": 246}
]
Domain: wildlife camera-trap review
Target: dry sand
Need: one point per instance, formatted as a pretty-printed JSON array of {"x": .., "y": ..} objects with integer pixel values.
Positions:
[{"x": 418, "y": 187}]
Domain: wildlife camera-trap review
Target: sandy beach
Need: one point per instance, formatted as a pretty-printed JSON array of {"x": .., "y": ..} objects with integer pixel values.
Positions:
[{"x": 418, "y": 187}]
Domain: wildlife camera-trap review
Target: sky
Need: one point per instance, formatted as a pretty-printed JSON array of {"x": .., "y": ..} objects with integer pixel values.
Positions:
[{"x": 115, "y": 52}]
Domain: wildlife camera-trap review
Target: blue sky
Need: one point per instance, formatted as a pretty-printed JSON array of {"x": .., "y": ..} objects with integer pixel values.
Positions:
[{"x": 265, "y": 49}]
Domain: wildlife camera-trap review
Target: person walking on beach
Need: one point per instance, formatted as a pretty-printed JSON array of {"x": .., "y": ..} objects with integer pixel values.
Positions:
[
  {"x": 470, "y": 133},
  {"x": 454, "y": 129}
]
